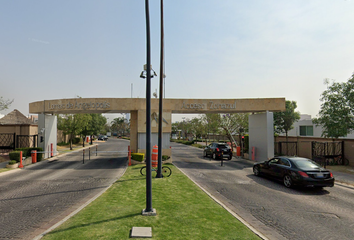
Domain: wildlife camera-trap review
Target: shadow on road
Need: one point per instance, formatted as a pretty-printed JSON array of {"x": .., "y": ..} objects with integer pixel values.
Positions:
[{"x": 96, "y": 163}]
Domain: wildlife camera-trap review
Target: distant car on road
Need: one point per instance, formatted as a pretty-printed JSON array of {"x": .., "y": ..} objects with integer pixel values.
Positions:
[
  {"x": 103, "y": 138},
  {"x": 295, "y": 171},
  {"x": 218, "y": 151}
]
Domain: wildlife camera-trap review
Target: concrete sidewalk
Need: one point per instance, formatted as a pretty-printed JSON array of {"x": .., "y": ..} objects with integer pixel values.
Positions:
[
  {"x": 75, "y": 149},
  {"x": 343, "y": 177}
]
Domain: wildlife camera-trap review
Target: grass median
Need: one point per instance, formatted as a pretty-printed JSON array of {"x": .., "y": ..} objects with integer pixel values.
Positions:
[{"x": 183, "y": 212}]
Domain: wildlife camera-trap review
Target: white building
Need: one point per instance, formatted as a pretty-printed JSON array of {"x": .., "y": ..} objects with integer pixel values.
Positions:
[{"x": 305, "y": 128}]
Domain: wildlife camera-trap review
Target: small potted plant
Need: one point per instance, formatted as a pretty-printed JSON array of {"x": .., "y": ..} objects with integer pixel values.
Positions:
[{"x": 12, "y": 164}]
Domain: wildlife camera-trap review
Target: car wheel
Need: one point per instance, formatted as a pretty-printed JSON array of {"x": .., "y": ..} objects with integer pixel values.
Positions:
[
  {"x": 287, "y": 181},
  {"x": 214, "y": 156},
  {"x": 230, "y": 157},
  {"x": 256, "y": 171}
]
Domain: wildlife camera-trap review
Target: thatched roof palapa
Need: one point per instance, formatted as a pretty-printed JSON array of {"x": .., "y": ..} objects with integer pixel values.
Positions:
[{"x": 15, "y": 118}]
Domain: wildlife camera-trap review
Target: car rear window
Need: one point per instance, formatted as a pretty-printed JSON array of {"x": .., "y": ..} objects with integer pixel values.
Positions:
[
  {"x": 222, "y": 146},
  {"x": 306, "y": 164}
]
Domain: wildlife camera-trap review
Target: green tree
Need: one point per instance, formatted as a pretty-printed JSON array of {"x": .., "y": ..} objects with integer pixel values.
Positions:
[
  {"x": 197, "y": 127},
  {"x": 284, "y": 121},
  {"x": 96, "y": 124},
  {"x": 4, "y": 104},
  {"x": 73, "y": 124},
  {"x": 211, "y": 122},
  {"x": 174, "y": 128},
  {"x": 234, "y": 123},
  {"x": 336, "y": 116},
  {"x": 120, "y": 125}
]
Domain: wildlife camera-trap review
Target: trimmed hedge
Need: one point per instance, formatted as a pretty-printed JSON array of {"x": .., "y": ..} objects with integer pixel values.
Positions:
[
  {"x": 39, "y": 155},
  {"x": 184, "y": 142},
  {"x": 27, "y": 152},
  {"x": 138, "y": 156},
  {"x": 15, "y": 155}
]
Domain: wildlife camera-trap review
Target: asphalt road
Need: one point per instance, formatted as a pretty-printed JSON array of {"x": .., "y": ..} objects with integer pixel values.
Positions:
[
  {"x": 268, "y": 206},
  {"x": 40, "y": 195}
]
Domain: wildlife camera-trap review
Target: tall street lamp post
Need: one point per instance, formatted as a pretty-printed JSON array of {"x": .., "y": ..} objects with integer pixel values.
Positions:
[
  {"x": 159, "y": 166},
  {"x": 148, "y": 210}
]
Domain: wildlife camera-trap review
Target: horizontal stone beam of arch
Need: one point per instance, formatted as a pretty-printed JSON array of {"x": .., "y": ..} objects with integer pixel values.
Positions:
[
  {"x": 137, "y": 109},
  {"x": 125, "y": 105}
]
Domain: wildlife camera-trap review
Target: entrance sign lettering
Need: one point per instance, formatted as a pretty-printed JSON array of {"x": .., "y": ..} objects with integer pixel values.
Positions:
[
  {"x": 210, "y": 105},
  {"x": 79, "y": 105}
]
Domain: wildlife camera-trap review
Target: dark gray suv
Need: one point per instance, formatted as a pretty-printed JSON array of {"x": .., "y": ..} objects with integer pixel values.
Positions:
[{"x": 218, "y": 151}]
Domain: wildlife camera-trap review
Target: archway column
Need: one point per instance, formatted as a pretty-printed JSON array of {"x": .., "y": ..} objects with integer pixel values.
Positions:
[
  {"x": 138, "y": 131},
  {"x": 261, "y": 136},
  {"x": 47, "y": 134}
]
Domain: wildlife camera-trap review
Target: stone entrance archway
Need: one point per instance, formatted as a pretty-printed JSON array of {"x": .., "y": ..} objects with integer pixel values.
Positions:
[{"x": 261, "y": 125}]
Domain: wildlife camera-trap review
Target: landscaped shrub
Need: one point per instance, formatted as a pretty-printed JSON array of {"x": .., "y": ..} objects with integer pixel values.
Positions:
[
  {"x": 39, "y": 155},
  {"x": 12, "y": 162},
  {"x": 76, "y": 140},
  {"x": 246, "y": 144},
  {"x": 15, "y": 155},
  {"x": 25, "y": 151},
  {"x": 62, "y": 144},
  {"x": 185, "y": 142},
  {"x": 138, "y": 156}
]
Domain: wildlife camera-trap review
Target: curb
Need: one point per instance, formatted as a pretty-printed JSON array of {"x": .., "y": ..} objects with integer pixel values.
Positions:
[
  {"x": 80, "y": 208},
  {"x": 45, "y": 160}
]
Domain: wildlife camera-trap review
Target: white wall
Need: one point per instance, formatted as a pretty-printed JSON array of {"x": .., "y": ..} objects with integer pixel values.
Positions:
[
  {"x": 317, "y": 130},
  {"x": 47, "y": 128},
  {"x": 154, "y": 140},
  {"x": 261, "y": 136}
]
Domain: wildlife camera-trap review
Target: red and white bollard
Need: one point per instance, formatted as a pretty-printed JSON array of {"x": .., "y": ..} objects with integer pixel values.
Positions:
[{"x": 21, "y": 165}]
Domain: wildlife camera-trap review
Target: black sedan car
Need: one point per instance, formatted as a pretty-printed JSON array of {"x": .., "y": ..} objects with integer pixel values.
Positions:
[
  {"x": 295, "y": 171},
  {"x": 103, "y": 138},
  {"x": 218, "y": 151}
]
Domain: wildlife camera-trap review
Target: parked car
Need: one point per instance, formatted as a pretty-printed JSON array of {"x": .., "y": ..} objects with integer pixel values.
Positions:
[
  {"x": 103, "y": 138},
  {"x": 218, "y": 151},
  {"x": 295, "y": 171}
]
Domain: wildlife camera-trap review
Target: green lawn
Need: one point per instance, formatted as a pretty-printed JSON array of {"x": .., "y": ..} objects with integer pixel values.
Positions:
[
  {"x": 5, "y": 169},
  {"x": 183, "y": 212}
]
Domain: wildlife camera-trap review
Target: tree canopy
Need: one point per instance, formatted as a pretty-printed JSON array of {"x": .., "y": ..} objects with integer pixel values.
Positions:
[
  {"x": 336, "y": 113},
  {"x": 81, "y": 124},
  {"x": 120, "y": 125},
  {"x": 234, "y": 123},
  {"x": 284, "y": 121},
  {"x": 5, "y": 103}
]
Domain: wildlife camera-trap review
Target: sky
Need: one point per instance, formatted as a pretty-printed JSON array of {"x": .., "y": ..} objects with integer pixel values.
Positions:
[{"x": 213, "y": 49}]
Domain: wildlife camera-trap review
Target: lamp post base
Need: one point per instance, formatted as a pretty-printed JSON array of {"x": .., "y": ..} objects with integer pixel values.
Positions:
[{"x": 151, "y": 213}]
